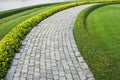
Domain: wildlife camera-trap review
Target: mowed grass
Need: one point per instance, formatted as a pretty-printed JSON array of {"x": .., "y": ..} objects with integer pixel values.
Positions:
[
  {"x": 9, "y": 22},
  {"x": 96, "y": 32},
  {"x": 103, "y": 26}
]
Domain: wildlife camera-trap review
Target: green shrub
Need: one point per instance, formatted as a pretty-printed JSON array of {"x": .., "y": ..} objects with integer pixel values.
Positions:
[{"x": 10, "y": 43}]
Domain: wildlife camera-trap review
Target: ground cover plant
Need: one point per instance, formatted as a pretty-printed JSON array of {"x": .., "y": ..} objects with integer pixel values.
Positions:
[{"x": 97, "y": 33}]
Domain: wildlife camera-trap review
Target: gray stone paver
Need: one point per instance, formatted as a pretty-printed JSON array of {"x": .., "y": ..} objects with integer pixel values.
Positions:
[{"x": 49, "y": 51}]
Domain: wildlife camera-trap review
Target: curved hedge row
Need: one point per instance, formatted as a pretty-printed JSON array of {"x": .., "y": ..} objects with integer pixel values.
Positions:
[
  {"x": 10, "y": 43},
  {"x": 88, "y": 46}
]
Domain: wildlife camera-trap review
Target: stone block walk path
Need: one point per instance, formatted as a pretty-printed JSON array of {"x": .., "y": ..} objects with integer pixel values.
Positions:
[{"x": 49, "y": 51}]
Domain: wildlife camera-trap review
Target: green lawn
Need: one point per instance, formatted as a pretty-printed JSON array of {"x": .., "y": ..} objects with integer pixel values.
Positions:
[
  {"x": 103, "y": 25},
  {"x": 98, "y": 39}
]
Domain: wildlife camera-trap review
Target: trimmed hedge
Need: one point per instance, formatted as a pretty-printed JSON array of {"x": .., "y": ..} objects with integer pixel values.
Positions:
[{"x": 10, "y": 43}]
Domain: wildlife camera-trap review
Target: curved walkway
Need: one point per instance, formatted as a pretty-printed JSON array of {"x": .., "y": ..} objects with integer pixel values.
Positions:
[{"x": 49, "y": 51}]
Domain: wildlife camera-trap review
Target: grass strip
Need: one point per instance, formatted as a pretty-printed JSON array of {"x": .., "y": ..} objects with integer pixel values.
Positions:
[
  {"x": 6, "y": 19},
  {"x": 104, "y": 27}
]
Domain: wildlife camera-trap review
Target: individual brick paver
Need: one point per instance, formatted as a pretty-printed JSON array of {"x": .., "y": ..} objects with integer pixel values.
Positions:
[{"x": 49, "y": 51}]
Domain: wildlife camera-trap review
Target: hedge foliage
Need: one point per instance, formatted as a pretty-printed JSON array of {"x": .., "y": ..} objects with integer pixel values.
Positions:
[{"x": 10, "y": 43}]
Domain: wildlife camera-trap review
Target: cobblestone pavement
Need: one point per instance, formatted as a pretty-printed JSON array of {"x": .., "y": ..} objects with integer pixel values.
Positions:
[{"x": 49, "y": 51}]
